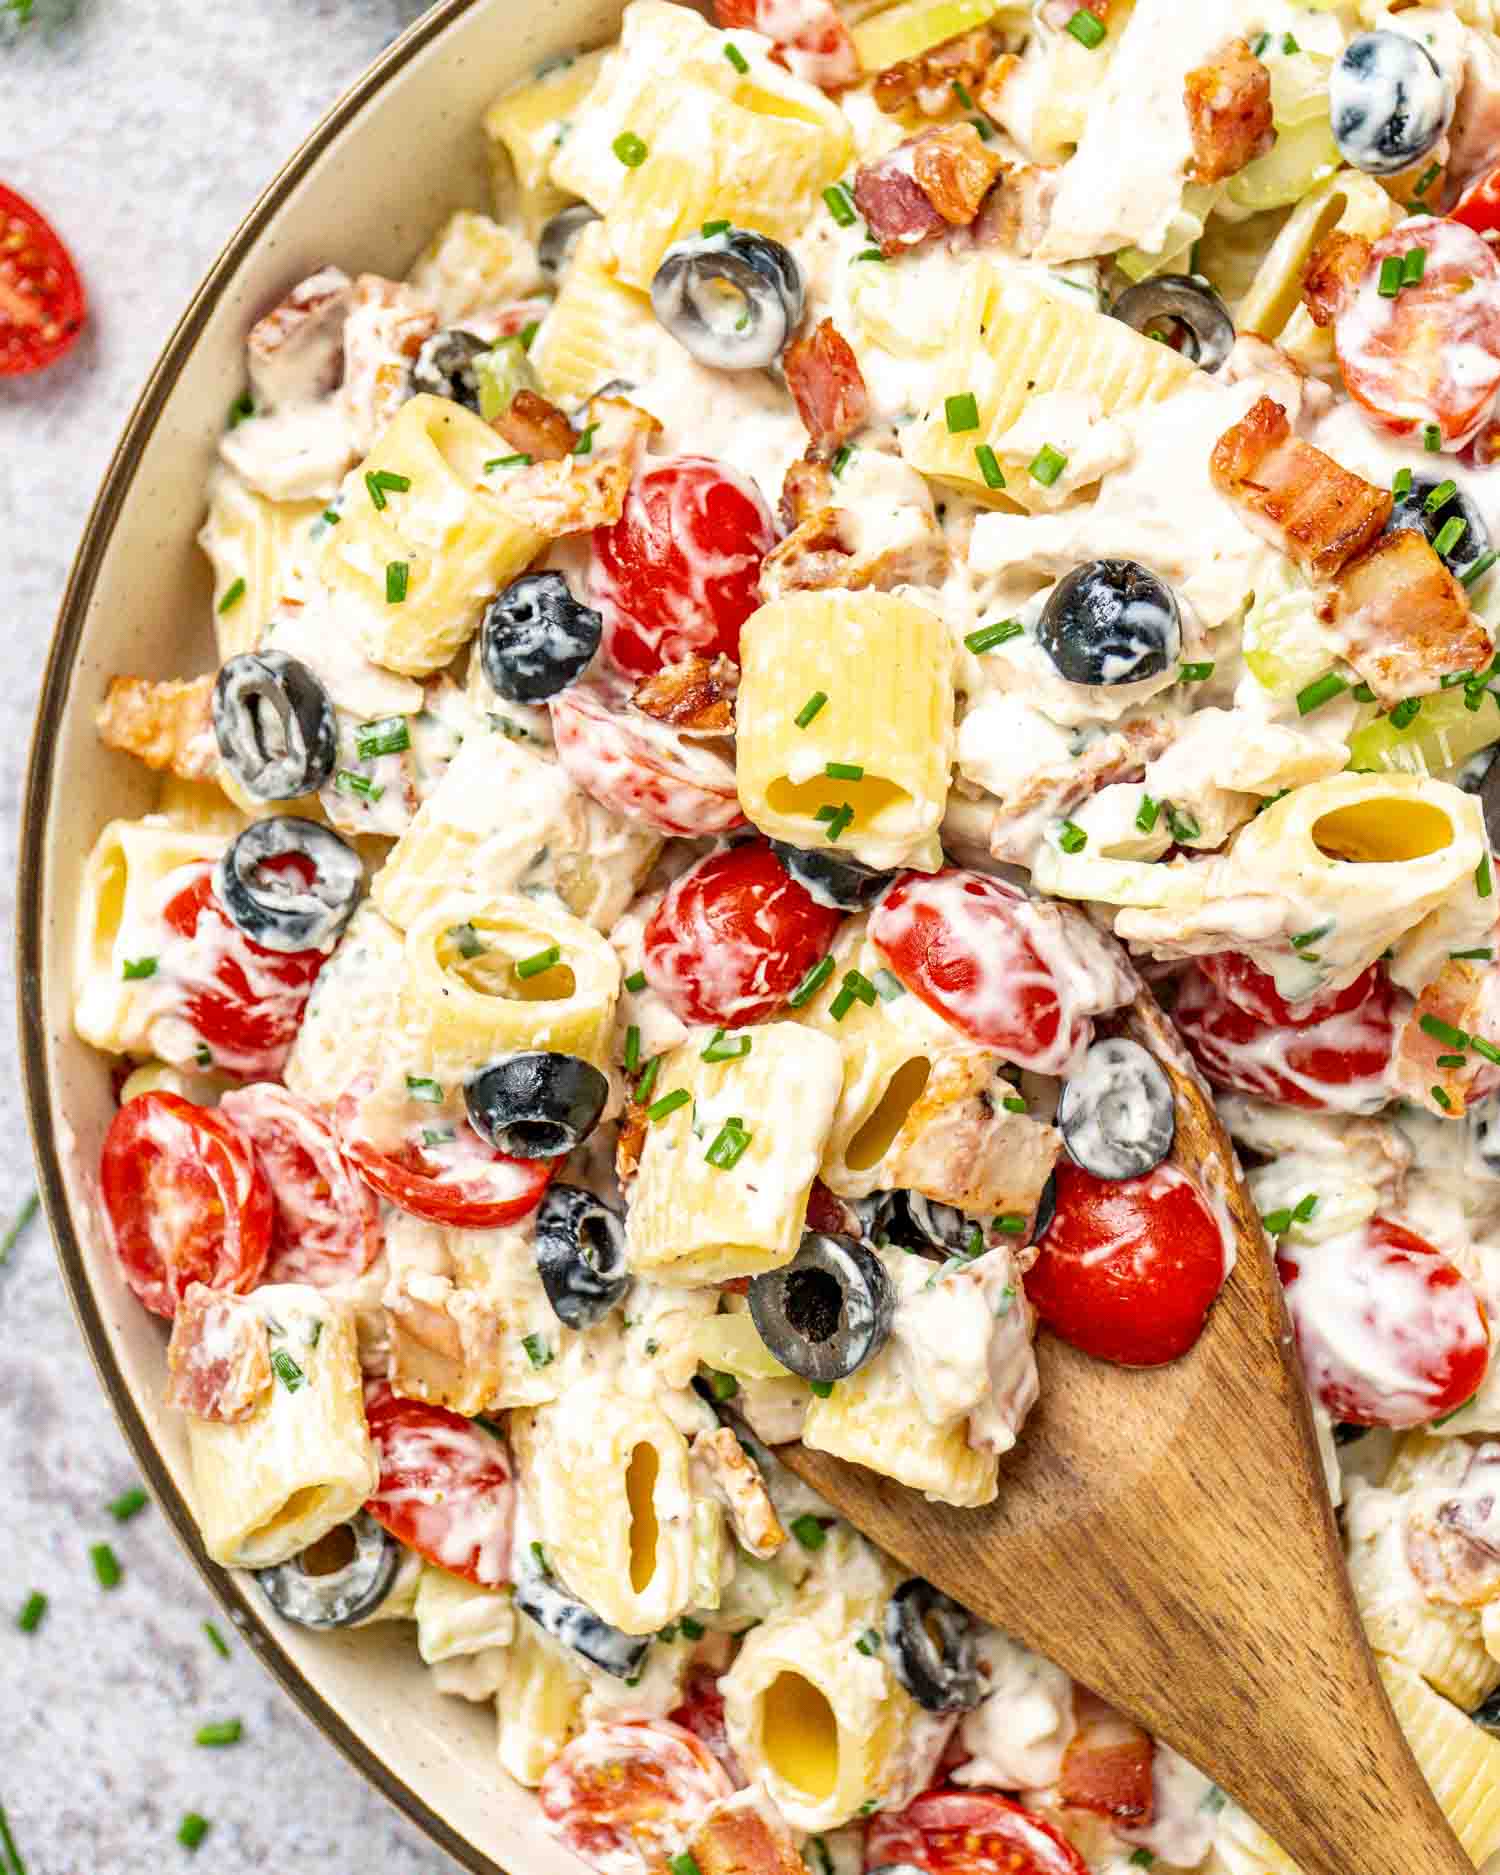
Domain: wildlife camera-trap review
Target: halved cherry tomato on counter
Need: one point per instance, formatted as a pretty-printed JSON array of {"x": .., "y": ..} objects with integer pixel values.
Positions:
[
  {"x": 327, "y": 1227},
  {"x": 625, "y": 1792},
  {"x": 1128, "y": 1268},
  {"x": 1390, "y": 1332},
  {"x": 969, "y": 1832},
  {"x": 677, "y": 575},
  {"x": 41, "y": 297},
  {"x": 734, "y": 936},
  {"x": 185, "y": 1199},
  {"x": 643, "y": 770},
  {"x": 445, "y": 1486},
  {"x": 460, "y": 1181},
  {"x": 1252, "y": 989}
]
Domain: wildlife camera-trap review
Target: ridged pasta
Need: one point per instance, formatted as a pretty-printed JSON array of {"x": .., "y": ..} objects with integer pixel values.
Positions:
[
  {"x": 1352, "y": 204},
  {"x": 873, "y": 1419},
  {"x": 538, "y": 1705},
  {"x": 885, "y": 667},
  {"x": 1242, "y": 1847},
  {"x": 595, "y": 324},
  {"x": 692, "y": 1221},
  {"x": 474, "y": 265},
  {"x": 260, "y": 542},
  {"x": 526, "y": 127},
  {"x": 1459, "y": 1761},
  {"x": 464, "y": 1003}
]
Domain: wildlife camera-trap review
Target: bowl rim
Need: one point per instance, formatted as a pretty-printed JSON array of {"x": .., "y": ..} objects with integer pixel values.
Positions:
[{"x": 36, "y": 800}]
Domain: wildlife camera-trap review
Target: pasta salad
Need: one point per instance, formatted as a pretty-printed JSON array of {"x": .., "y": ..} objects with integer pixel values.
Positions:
[{"x": 902, "y": 534}]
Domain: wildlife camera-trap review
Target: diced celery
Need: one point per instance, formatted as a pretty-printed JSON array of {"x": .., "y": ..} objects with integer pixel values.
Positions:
[
  {"x": 1443, "y": 733},
  {"x": 503, "y": 371},
  {"x": 1298, "y": 161},
  {"x": 1286, "y": 645},
  {"x": 1175, "y": 252},
  {"x": 901, "y": 32}
]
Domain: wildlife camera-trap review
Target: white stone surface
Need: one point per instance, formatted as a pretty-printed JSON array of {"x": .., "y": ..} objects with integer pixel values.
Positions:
[{"x": 144, "y": 128}]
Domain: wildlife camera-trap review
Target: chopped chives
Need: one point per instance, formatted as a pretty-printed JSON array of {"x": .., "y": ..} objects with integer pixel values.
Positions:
[
  {"x": 730, "y": 1145},
  {"x": 862, "y": 987},
  {"x": 219, "y": 1732},
  {"x": 1146, "y": 813},
  {"x": 1428, "y": 176},
  {"x": 1432, "y": 438},
  {"x": 396, "y": 574},
  {"x": 388, "y": 736},
  {"x": 1453, "y": 1061},
  {"x": 241, "y": 410},
  {"x": 961, "y": 412},
  {"x": 647, "y": 1081},
  {"x": 630, "y": 150},
  {"x": 1480, "y": 567},
  {"x": 1440, "y": 1095},
  {"x": 379, "y": 481},
  {"x": 737, "y": 59},
  {"x": 1277, "y": 1223},
  {"x": 1011, "y": 1223},
  {"x": 808, "y": 988},
  {"x": 1413, "y": 265},
  {"x": 1087, "y": 28},
  {"x": 721, "y": 1385},
  {"x": 1402, "y": 484},
  {"x": 1408, "y": 708},
  {"x": 1142, "y": 1858},
  {"x": 836, "y": 196},
  {"x": 823, "y": 1388},
  {"x": 1013, "y": 1103},
  {"x": 1303, "y": 1209},
  {"x": 1181, "y": 825},
  {"x": 520, "y": 459},
  {"x": 1071, "y": 837},
  {"x": 668, "y": 1104},
  {"x": 1450, "y": 534},
  {"x": 1488, "y": 1049},
  {"x": 233, "y": 596},
  {"x": 840, "y": 460},
  {"x": 137, "y": 969},
  {"x": 1302, "y": 939},
  {"x": 810, "y": 709},
  {"x": 423, "y": 1087},
  {"x": 869, "y": 1642},
  {"x": 842, "y": 1003},
  {"x": 585, "y": 444},
  {"x": 528, "y": 332},
  {"x": 989, "y": 466},
  {"x": 843, "y": 771},
  {"x": 1259, "y": 44},
  {"x": 329, "y": 517},
  {"x": 1389, "y": 284},
  {"x": 808, "y": 1531},
  {"x": 691, "y": 1630},
  {"x": 467, "y": 939},
  {"x": 538, "y": 961},
  {"x": 347, "y": 782},
  {"x": 1483, "y": 882},
  {"x": 216, "y": 1640},
  {"x": 888, "y": 986},
  {"x": 632, "y": 1049},
  {"x": 107, "y": 1568},
  {"x": 1362, "y": 693},
  {"x": 988, "y": 636},
  {"x": 537, "y": 1351},
  {"x": 1440, "y": 496},
  {"x": 726, "y": 1047},
  {"x": 1320, "y": 691},
  {"x": 1444, "y": 1032},
  {"x": 961, "y": 92},
  {"x": 1289, "y": 45},
  {"x": 1482, "y": 954},
  {"x": 438, "y": 1136},
  {"x": 128, "y": 1504},
  {"x": 1048, "y": 463},
  {"x": 288, "y": 1372},
  {"x": 838, "y": 818},
  {"x": 869, "y": 253},
  {"x": 1195, "y": 673},
  {"x": 636, "y": 982},
  {"x": 192, "y": 1829},
  {"x": 32, "y": 1610}
]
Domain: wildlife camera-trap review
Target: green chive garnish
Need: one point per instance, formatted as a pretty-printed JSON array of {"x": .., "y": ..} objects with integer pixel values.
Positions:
[
  {"x": 32, "y": 1610},
  {"x": 1320, "y": 691},
  {"x": 1071, "y": 837},
  {"x": 869, "y": 1642},
  {"x": 1146, "y": 813},
  {"x": 1413, "y": 265},
  {"x": 1389, "y": 284},
  {"x": 423, "y": 1087},
  {"x": 1289, "y": 45},
  {"x": 1449, "y": 534},
  {"x": 726, "y": 1047},
  {"x": 836, "y": 196},
  {"x": 961, "y": 92},
  {"x": 636, "y": 982},
  {"x": 585, "y": 444},
  {"x": 1402, "y": 484},
  {"x": 988, "y": 636},
  {"x": 379, "y": 481},
  {"x": 1194, "y": 673},
  {"x": 840, "y": 460},
  {"x": 668, "y": 1104},
  {"x": 467, "y": 939},
  {"x": 347, "y": 782},
  {"x": 632, "y": 1049},
  {"x": 1488, "y": 1049},
  {"x": 288, "y": 1372},
  {"x": 962, "y": 413},
  {"x": 1087, "y": 28},
  {"x": 1277, "y": 1223},
  {"x": 810, "y": 709},
  {"x": 1442, "y": 1031},
  {"x": 730, "y": 1146},
  {"x": 241, "y": 409},
  {"x": 989, "y": 466},
  {"x": 137, "y": 969},
  {"x": 1480, "y": 567},
  {"x": 1440, "y": 1095},
  {"x": 107, "y": 1568},
  {"x": 1048, "y": 463},
  {"x": 1432, "y": 438},
  {"x": 1302, "y": 939},
  {"x": 128, "y": 1504},
  {"x": 233, "y": 596},
  {"x": 1481, "y": 954},
  {"x": 843, "y": 771},
  {"x": 723, "y": 1387},
  {"x": 538, "y": 961},
  {"x": 1303, "y": 1209},
  {"x": 192, "y": 1829},
  {"x": 1013, "y": 1103},
  {"x": 808, "y": 988},
  {"x": 1011, "y": 1223},
  {"x": 1483, "y": 883},
  {"x": 216, "y": 1640},
  {"x": 737, "y": 59},
  {"x": 823, "y": 1388},
  {"x": 1181, "y": 825},
  {"x": 329, "y": 517},
  {"x": 396, "y": 574},
  {"x": 1427, "y": 178},
  {"x": 630, "y": 150},
  {"x": 519, "y": 460},
  {"x": 389, "y": 736},
  {"x": 219, "y": 1732},
  {"x": 808, "y": 1531},
  {"x": 1440, "y": 496},
  {"x": 838, "y": 818},
  {"x": 537, "y": 1351},
  {"x": 1407, "y": 709},
  {"x": 1362, "y": 693},
  {"x": 648, "y": 1080}
]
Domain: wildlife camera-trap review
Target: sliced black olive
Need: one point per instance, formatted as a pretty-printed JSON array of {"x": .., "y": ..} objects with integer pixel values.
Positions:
[
  {"x": 576, "y": 1625},
  {"x": 1487, "y": 1716},
  {"x": 1110, "y": 622},
  {"x": 831, "y": 878},
  {"x": 445, "y": 366},
  {"x": 1175, "y": 304},
  {"x": 1414, "y": 509},
  {"x": 536, "y": 1105},
  {"x": 275, "y": 726},
  {"x": 1347, "y": 1433},
  {"x": 1046, "y": 1209},
  {"x": 828, "y": 1310},
  {"x": 732, "y": 299},
  {"x": 580, "y": 1255},
  {"x": 1387, "y": 102},
  {"x": 536, "y": 638},
  {"x": 1117, "y": 1114},
  {"x": 342, "y": 1578},
  {"x": 555, "y": 244},
  {"x": 931, "y": 1641},
  {"x": 289, "y": 884},
  {"x": 917, "y": 1223}
]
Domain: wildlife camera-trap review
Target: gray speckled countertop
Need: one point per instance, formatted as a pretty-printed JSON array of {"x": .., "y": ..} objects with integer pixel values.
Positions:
[{"x": 144, "y": 128}]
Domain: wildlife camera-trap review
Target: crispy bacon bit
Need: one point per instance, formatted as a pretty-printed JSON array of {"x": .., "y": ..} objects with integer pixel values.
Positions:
[
  {"x": 820, "y": 555},
  {"x": 219, "y": 1357},
  {"x": 1293, "y": 495},
  {"x": 928, "y": 79},
  {"x": 1332, "y": 275},
  {"x": 536, "y": 427},
  {"x": 955, "y": 169},
  {"x": 743, "y": 1835},
  {"x": 444, "y": 1341},
  {"x": 1456, "y": 998},
  {"x": 1229, "y": 111},
  {"x": 1016, "y": 213},
  {"x": 567, "y": 494},
  {"x": 630, "y": 1141},
  {"x": 1052, "y": 792},
  {"x": 824, "y": 378},
  {"x": 386, "y": 327},
  {"x": 297, "y": 350},
  {"x": 1404, "y": 620},
  {"x": 1453, "y": 1546},
  {"x": 167, "y": 725},
  {"x": 693, "y": 694},
  {"x": 960, "y": 1145},
  {"x": 810, "y": 39},
  {"x": 735, "y": 1477},
  {"x": 1107, "y": 1765},
  {"x": 806, "y": 488},
  {"x": 887, "y": 194}
]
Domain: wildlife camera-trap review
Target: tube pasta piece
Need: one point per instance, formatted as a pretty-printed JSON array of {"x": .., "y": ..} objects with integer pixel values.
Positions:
[
  {"x": 473, "y": 987},
  {"x": 609, "y": 1493},
  {"x": 268, "y": 1486},
  {"x": 597, "y": 326},
  {"x": 351, "y": 1013},
  {"x": 692, "y": 1221},
  {"x": 886, "y": 669},
  {"x": 539, "y": 1704},
  {"x": 262, "y": 543},
  {"x": 456, "y": 541},
  {"x": 1459, "y": 1761},
  {"x": 524, "y": 127},
  {"x": 454, "y": 1617},
  {"x": 505, "y": 820},
  {"x": 473, "y": 264}
]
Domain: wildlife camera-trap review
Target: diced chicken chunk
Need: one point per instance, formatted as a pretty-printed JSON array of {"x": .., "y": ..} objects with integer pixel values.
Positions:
[
  {"x": 386, "y": 327},
  {"x": 962, "y": 1147},
  {"x": 444, "y": 1342},
  {"x": 955, "y": 169},
  {"x": 575, "y": 492},
  {"x": 296, "y": 352},
  {"x": 166, "y": 725},
  {"x": 734, "y": 1476},
  {"x": 219, "y": 1357}
]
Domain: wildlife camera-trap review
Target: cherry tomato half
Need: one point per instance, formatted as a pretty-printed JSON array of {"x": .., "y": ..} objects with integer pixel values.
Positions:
[
  {"x": 734, "y": 936},
  {"x": 1254, "y": 990},
  {"x": 643, "y": 770},
  {"x": 185, "y": 1199},
  {"x": 702, "y": 1714},
  {"x": 1338, "y": 1063},
  {"x": 677, "y": 575},
  {"x": 1479, "y": 205},
  {"x": 810, "y": 39},
  {"x": 460, "y": 1181},
  {"x": 327, "y": 1227},
  {"x": 41, "y": 297},
  {"x": 1390, "y": 1332},
  {"x": 445, "y": 1486},
  {"x": 1128, "y": 1268},
  {"x": 625, "y": 1792},
  {"x": 969, "y": 1832}
]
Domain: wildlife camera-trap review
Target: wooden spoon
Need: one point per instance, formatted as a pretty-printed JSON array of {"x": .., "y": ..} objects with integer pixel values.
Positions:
[{"x": 1166, "y": 1537}]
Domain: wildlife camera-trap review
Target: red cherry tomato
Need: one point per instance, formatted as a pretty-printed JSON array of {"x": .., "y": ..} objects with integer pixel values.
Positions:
[
  {"x": 1338, "y": 1063},
  {"x": 462, "y": 1181},
  {"x": 445, "y": 1486},
  {"x": 1253, "y": 990},
  {"x": 625, "y": 1792},
  {"x": 702, "y": 1714},
  {"x": 1129, "y": 1267},
  {"x": 734, "y": 936},
  {"x": 677, "y": 575},
  {"x": 1429, "y": 354},
  {"x": 185, "y": 1199},
  {"x": 244, "y": 1001},
  {"x": 969, "y": 1832},
  {"x": 41, "y": 296},
  {"x": 966, "y": 944},
  {"x": 327, "y": 1227},
  {"x": 1390, "y": 1332},
  {"x": 642, "y": 769},
  {"x": 1479, "y": 205},
  {"x": 810, "y": 39}
]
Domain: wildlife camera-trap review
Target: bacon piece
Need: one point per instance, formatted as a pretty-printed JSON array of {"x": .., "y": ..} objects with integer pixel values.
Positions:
[
  {"x": 1455, "y": 997},
  {"x": 386, "y": 327},
  {"x": 810, "y": 39},
  {"x": 896, "y": 207},
  {"x": 569, "y": 493},
  {"x": 296, "y": 351},
  {"x": 1107, "y": 1765},
  {"x": 928, "y": 80},
  {"x": 1228, "y": 103},
  {"x": 819, "y": 555},
  {"x": 694, "y": 694},
  {"x": 1293, "y": 495},
  {"x": 743, "y": 1835},
  {"x": 806, "y": 488},
  {"x": 1052, "y": 792},
  {"x": 955, "y": 169},
  {"x": 736, "y": 1478},
  {"x": 1403, "y": 620},
  {"x": 824, "y": 378},
  {"x": 536, "y": 428},
  {"x": 1015, "y": 215},
  {"x": 959, "y": 1144},
  {"x": 219, "y": 1357},
  {"x": 630, "y": 1141},
  {"x": 166, "y": 725},
  {"x": 444, "y": 1340},
  {"x": 1332, "y": 275},
  {"x": 1453, "y": 1546}
]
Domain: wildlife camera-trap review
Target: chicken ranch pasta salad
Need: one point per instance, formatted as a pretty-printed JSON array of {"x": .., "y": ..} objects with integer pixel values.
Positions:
[{"x": 909, "y": 525}]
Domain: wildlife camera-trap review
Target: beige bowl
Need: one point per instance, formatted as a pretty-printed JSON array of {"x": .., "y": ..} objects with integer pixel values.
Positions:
[{"x": 365, "y": 191}]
